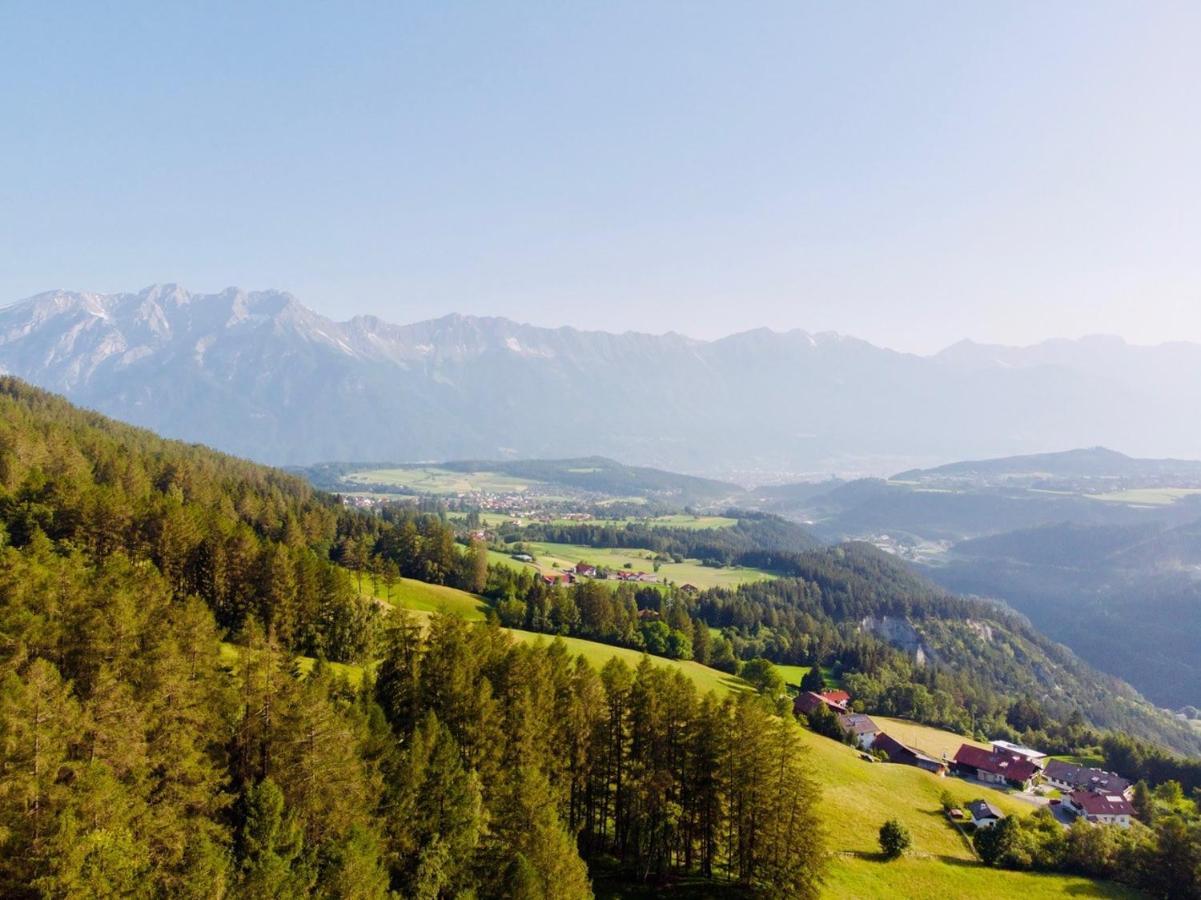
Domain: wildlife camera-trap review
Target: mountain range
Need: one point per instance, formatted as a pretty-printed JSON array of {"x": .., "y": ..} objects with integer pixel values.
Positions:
[{"x": 260, "y": 375}]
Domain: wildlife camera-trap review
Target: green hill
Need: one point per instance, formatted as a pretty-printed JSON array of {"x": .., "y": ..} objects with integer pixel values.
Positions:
[
  {"x": 857, "y": 797},
  {"x": 587, "y": 475}
]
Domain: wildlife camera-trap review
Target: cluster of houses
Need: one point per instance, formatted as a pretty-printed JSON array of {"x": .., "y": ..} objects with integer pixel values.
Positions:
[
  {"x": 586, "y": 570},
  {"x": 868, "y": 736},
  {"x": 1095, "y": 795}
]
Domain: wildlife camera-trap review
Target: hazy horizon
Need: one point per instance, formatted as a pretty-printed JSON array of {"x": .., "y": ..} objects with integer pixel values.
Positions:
[{"x": 909, "y": 175}]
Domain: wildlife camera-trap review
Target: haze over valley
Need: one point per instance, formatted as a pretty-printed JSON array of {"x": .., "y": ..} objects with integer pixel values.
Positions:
[{"x": 260, "y": 375}]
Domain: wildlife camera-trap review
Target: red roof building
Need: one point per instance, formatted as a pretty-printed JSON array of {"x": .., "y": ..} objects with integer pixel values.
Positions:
[
  {"x": 993, "y": 767},
  {"x": 836, "y": 696},
  {"x": 807, "y": 702},
  {"x": 1102, "y": 809}
]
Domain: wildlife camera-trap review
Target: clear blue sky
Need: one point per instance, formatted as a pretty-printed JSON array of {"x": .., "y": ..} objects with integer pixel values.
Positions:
[{"x": 910, "y": 173}]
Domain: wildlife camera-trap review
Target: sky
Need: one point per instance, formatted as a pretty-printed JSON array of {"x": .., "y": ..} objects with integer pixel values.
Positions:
[{"x": 908, "y": 173}]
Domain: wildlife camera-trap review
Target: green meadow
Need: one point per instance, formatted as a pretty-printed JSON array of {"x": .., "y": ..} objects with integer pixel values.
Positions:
[
  {"x": 688, "y": 572},
  {"x": 931, "y": 741},
  {"x": 433, "y": 480}
]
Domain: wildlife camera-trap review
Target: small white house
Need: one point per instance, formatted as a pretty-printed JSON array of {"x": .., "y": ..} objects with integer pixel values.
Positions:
[
  {"x": 984, "y": 815},
  {"x": 861, "y": 727}
]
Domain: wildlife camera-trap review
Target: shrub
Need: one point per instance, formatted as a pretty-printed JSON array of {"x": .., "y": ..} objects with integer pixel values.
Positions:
[{"x": 894, "y": 839}]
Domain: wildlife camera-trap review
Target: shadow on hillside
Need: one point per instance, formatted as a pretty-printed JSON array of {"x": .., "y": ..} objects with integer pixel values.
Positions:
[
  {"x": 865, "y": 856},
  {"x": 734, "y": 683}
]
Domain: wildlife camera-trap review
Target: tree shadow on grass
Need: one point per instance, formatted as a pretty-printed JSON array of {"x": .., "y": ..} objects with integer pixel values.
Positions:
[{"x": 866, "y": 856}]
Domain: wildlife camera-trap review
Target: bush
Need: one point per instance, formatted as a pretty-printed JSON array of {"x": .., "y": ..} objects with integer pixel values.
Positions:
[{"x": 894, "y": 839}]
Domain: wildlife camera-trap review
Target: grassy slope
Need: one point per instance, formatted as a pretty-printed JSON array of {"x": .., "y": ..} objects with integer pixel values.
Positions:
[
  {"x": 691, "y": 572},
  {"x": 932, "y": 741},
  {"x": 434, "y": 480},
  {"x": 418, "y": 595},
  {"x": 793, "y": 674},
  {"x": 857, "y": 798}
]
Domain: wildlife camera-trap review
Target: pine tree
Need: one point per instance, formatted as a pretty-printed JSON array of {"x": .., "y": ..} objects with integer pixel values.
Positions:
[
  {"x": 537, "y": 847},
  {"x": 38, "y": 720},
  {"x": 813, "y": 680},
  {"x": 435, "y": 813},
  {"x": 270, "y": 846}
]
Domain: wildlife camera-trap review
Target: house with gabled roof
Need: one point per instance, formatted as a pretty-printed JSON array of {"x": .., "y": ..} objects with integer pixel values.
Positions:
[
  {"x": 995, "y": 767},
  {"x": 807, "y": 703},
  {"x": 860, "y": 727},
  {"x": 984, "y": 814},
  {"x": 1101, "y": 809},
  {"x": 907, "y": 756},
  {"x": 1069, "y": 777},
  {"x": 836, "y": 696}
]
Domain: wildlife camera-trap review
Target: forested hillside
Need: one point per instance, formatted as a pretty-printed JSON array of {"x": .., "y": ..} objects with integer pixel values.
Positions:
[
  {"x": 911, "y": 649},
  {"x": 1125, "y": 598},
  {"x": 137, "y": 760}
]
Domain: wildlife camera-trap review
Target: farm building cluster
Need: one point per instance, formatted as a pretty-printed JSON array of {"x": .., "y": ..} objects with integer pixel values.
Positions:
[
  {"x": 1092, "y": 794},
  {"x": 586, "y": 570}
]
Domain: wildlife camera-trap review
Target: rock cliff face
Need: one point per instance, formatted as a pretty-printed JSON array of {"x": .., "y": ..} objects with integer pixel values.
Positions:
[{"x": 900, "y": 633}]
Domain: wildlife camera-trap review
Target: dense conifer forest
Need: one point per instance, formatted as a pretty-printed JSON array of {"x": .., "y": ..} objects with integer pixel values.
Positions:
[{"x": 142, "y": 756}]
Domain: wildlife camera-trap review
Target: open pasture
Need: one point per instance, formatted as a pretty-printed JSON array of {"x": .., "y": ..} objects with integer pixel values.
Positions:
[
  {"x": 433, "y": 480},
  {"x": 931, "y": 741},
  {"x": 688, "y": 572},
  {"x": 1146, "y": 496}
]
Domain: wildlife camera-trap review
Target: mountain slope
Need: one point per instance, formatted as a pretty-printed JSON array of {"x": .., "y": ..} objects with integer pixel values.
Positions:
[
  {"x": 260, "y": 375},
  {"x": 1126, "y": 598},
  {"x": 585, "y": 475}
]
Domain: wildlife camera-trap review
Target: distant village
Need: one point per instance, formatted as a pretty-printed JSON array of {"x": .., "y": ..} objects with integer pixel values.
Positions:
[{"x": 1072, "y": 791}]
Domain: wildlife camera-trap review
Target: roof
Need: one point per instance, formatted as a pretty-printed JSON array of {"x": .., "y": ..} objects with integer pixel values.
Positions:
[
  {"x": 1007, "y": 765},
  {"x": 890, "y": 746},
  {"x": 1095, "y": 804},
  {"x": 898, "y": 752},
  {"x": 1019, "y": 750},
  {"x": 983, "y": 810},
  {"x": 1086, "y": 778},
  {"x": 836, "y": 696},
  {"x": 858, "y": 723},
  {"x": 807, "y": 701}
]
